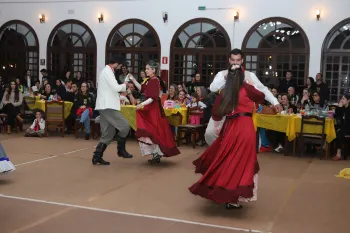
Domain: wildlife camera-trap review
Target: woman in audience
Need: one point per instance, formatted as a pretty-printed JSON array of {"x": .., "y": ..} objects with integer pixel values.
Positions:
[
  {"x": 316, "y": 103},
  {"x": 91, "y": 87},
  {"x": 47, "y": 93},
  {"x": 305, "y": 100},
  {"x": 28, "y": 80},
  {"x": 78, "y": 79},
  {"x": 172, "y": 94},
  {"x": 19, "y": 85},
  {"x": 12, "y": 101},
  {"x": 142, "y": 76},
  {"x": 202, "y": 93},
  {"x": 60, "y": 89},
  {"x": 311, "y": 85},
  {"x": 342, "y": 114},
  {"x": 86, "y": 104},
  {"x": 153, "y": 130},
  {"x": 229, "y": 166},
  {"x": 183, "y": 99},
  {"x": 279, "y": 98},
  {"x": 42, "y": 87},
  {"x": 286, "y": 104}
]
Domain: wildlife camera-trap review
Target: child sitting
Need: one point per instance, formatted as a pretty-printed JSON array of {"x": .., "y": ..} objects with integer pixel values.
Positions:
[
  {"x": 37, "y": 129},
  {"x": 195, "y": 103}
]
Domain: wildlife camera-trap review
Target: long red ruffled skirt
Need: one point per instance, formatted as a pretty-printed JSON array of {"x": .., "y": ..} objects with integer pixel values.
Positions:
[
  {"x": 150, "y": 123},
  {"x": 229, "y": 164}
]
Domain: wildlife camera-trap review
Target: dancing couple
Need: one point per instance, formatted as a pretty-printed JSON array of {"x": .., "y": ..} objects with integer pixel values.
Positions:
[
  {"x": 229, "y": 166},
  {"x": 153, "y": 130}
]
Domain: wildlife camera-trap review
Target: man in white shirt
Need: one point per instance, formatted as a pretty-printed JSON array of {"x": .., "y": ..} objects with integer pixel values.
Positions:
[
  {"x": 236, "y": 58},
  {"x": 108, "y": 104}
]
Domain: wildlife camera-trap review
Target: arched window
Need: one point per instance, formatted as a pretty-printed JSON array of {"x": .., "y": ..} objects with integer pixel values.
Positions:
[
  {"x": 137, "y": 41},
  {"x": 274, "y": 46},
  {"x": 72, "y": 47},
  {"x": 336, "y": 59},
  {"x": 19, "y": 50},
  {"x": 198, "y": 46}
]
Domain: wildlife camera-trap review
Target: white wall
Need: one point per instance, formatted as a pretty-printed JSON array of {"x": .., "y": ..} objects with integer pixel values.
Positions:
[{"x": 251, "y": 11}]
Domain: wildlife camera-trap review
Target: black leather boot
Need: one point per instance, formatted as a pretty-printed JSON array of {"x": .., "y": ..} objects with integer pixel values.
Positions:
[
  {"x": 121, "y": 149},
  {"x": 98, "y": 154}
]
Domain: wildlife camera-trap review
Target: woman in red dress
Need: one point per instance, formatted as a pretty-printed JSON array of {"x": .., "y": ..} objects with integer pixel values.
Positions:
[
  {"x": 153, "y": 129},
  {"x": 229, "y": 166}
]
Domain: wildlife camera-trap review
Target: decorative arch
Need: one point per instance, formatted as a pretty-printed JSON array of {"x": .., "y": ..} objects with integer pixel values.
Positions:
[
  {"x": 137, "y": 40},
  {"x": 274, "y": 46},
  {"x": 19, "y": 50},
  {"x": 72, "y": 46},
  {"x": 200, "y": 45},
  {"x": 335, "y": 63}
]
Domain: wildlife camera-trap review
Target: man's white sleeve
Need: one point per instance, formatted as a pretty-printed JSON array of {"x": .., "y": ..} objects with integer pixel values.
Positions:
[
  {"x": 259, "y": 86},
  {"x": 218, "y": 82}
]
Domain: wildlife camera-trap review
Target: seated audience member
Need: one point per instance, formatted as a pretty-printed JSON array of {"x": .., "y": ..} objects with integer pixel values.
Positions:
[
  {"x": 91, "y": 87},
  {"x": 47, "y": 93},
  {"x": 37, "y": 129},
  {"x": 196, "y": 103},
  {"x": 183, "y": 99},
  {"x": 12, "y": 102},
  {"x": 132, "y": 93},
  {"x": 305, "y": 100},
  {"x": 278, "y": 138},
  {"x": 286, "y": 104},
  {"x": 294, "y": 98},
  {"x": 86, "y": 104},
  {"x": 316, "y": 103},
  {"x": 60, "y": 89},
  {"x": 274, "y": 91},
  {"x": 72, "y": 96},
  {"x": 342, "y": 115},
  {"x": 36, "y": 88},
  {"x": 172, "y": 95}
]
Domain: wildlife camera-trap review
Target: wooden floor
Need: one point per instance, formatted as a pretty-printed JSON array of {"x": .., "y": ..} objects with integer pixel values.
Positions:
[{"x": 56, "y": 189}]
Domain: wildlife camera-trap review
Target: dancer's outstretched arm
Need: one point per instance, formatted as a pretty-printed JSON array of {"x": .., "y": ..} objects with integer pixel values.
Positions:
[{"x": 136, "y": 83}]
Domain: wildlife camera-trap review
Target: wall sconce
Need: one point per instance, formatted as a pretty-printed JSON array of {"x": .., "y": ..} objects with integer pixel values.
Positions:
[
  {"x": 236, "y": 15},
  {"x": 100, "y": 18},
  {"x": 42, "y": 18},
  {"x": 318, "y": 14}
]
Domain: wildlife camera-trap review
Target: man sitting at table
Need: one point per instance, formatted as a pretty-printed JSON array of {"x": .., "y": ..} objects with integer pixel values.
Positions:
[{"x": 108, "y": 104}]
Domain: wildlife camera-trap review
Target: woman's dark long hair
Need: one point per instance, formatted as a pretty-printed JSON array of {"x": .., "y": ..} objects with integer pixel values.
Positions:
[
  {"x": 229, "y": 98},
  {"x": 16, "y": 92}
]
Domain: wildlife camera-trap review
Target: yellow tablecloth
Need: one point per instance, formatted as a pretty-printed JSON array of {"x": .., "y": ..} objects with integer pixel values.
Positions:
[
  {"x": 30, "y": 100},
  {"x": 129, "y": 112},
  {"x": 40, "y": 104},
  {"x": 290, "y": 124}
]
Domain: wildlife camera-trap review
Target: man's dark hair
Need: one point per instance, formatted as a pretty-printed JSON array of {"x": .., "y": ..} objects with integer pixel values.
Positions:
[
  {"x": 43, "y": 70},
  {"x": 236, "y": 52},
  {"x": 116, "y": 58}
]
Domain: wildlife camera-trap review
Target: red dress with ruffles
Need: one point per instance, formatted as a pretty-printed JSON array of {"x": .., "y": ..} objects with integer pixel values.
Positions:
[
  {"x": 151, "y": 121},
  {"x": 230, "y": 163}
]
